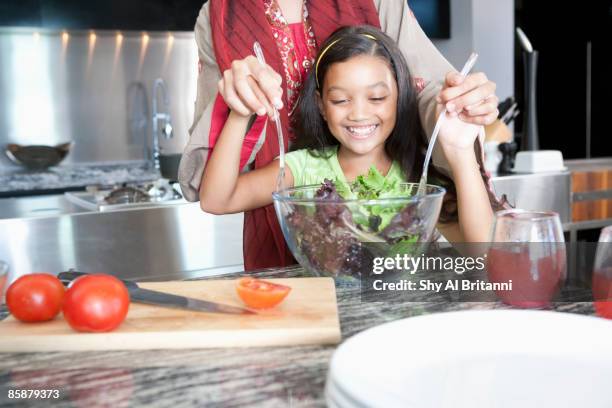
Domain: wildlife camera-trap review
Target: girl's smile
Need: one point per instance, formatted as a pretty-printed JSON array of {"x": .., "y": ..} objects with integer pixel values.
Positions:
[{"x": 362, "y": 131}]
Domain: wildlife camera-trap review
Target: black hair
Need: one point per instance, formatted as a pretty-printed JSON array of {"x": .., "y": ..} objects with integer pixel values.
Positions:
[{"x": 407, "y": 142}]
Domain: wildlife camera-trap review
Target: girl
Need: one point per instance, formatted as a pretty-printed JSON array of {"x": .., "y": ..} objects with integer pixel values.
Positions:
[{"x": 357, "y": 109}]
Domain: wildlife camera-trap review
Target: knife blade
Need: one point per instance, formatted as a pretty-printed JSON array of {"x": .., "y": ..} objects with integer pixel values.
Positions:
[{"x": 157, "y": 298}]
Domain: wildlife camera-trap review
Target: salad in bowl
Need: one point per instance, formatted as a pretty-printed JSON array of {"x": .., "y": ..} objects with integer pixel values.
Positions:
[{"x": 335, "y": 229}]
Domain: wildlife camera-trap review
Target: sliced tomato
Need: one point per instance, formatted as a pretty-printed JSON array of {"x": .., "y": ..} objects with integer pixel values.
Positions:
[{"x": 260, "y": 294}]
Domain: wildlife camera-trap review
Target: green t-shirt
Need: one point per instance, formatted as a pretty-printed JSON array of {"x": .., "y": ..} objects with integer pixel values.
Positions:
[{"x": 308, "y": 169}]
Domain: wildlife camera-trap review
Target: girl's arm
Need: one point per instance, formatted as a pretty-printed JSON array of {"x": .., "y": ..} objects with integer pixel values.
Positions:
[
  {"x": 475, "y": 213},
  {"x": 224, "y": 189}
]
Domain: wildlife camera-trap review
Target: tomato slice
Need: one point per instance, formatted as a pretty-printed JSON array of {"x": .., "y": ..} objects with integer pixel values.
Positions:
[{"x": 260, "y": 294}]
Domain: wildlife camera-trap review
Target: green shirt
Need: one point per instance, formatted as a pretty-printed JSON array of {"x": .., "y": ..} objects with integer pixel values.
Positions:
[{"x": 308, "y": 169}]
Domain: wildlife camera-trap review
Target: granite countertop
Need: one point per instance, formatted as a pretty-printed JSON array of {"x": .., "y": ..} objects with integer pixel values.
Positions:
[
  {"x": 279, "y": 376},
  {"x": 73, "y": 176}
]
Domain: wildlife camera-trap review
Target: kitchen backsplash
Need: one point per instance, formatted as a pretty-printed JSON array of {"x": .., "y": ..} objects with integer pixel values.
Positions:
[{"x": 93, "y": 88}]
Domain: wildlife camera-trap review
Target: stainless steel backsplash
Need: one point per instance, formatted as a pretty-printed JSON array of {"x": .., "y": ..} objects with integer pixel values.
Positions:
[{"x": 93, "y": 88}]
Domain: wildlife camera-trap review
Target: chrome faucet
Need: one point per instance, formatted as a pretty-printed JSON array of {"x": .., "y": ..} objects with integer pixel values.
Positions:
[{"x": 157, "y": 117}]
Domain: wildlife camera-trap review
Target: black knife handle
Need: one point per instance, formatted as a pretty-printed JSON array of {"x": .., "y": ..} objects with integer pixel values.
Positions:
[{"x": 70, "y": 275}]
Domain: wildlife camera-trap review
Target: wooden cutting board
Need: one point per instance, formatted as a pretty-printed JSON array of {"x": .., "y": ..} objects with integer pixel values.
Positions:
[{"x": 309, "y": 315}]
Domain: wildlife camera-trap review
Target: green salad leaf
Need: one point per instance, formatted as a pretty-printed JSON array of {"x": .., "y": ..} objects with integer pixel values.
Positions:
[{"x": 371, "y": 186}]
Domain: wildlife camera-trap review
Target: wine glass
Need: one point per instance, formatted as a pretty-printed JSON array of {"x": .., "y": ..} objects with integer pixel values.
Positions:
[
  {"x": 528, "y": 253},
  {"x": 602, "y": 274}
]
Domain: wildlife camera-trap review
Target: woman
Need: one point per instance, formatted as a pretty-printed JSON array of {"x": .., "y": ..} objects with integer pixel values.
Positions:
[{"x": 289, "y": 31}]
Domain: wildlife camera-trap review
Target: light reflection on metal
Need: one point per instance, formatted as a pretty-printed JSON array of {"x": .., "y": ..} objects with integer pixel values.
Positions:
[
  {"x": 118, "y": 44},
  {"x": 169, "y": 45},
  {"x": 65, "y": 39},
  {"x": 143, "y": 52},
  {"x": 20, "y": 260},
  {"x": 30, "y": 113},
  {"x": 91, "y": 49}
]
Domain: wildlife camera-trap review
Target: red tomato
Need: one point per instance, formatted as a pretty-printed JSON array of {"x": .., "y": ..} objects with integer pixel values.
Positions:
[
  {"x": 260, "y": 294},
  {"x": 37, "y": 297},
  {"x": 96, "y": 303}
]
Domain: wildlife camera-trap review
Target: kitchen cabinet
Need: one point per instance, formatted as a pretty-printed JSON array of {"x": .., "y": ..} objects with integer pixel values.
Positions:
[
  {"x": 37, "y": 206},
  {"x": 591, "y": 189},
  {"x": 144, "y": 244}
]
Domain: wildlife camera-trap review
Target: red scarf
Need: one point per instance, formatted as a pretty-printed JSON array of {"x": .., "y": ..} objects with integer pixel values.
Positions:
[{"x": 236, "y": 25}]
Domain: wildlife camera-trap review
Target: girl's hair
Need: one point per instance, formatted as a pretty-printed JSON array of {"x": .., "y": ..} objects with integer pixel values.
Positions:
[{"x": 407, "y": 142}]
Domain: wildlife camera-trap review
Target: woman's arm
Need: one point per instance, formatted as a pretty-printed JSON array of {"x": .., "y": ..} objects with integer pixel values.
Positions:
[
  {"x": 212, "y": 107},
  {"x": 224, "y": 189},
  {"x": 433, "y": 73}
]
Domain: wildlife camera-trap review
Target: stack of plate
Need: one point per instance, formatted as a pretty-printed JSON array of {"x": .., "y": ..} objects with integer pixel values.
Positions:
[{"x": 497, "y": 358}]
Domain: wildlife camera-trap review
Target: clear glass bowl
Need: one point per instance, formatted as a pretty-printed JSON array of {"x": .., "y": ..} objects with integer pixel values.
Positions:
[{"x": 340, "y": 238}]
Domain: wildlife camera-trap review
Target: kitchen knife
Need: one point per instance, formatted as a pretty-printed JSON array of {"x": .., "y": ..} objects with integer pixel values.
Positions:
[
  {"x": 505, "y": 105},
  {"x": 153, "y": 297},
  {"x": 509, "y": 112},
  {"x": 514, "y": 115}
]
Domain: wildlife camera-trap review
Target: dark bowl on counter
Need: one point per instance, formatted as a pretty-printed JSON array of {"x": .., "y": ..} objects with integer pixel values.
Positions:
[{"x": 37, "y": 157}]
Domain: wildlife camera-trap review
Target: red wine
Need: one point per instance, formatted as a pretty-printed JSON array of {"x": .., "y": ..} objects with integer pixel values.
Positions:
[{"x": 533, "y": 286}]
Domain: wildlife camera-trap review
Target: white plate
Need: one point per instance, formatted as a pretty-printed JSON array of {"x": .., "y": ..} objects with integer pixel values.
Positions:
[{"x": 497, "y": 358}]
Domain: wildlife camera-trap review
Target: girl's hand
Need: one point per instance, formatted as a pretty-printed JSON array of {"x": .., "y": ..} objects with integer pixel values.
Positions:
[
  {"x": 249, "y": 87},
  {"x": 472, "y": 98},
  {"x": 456, "y": 137}
]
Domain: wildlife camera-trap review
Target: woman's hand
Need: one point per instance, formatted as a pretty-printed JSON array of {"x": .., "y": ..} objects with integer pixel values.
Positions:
[
  {"x": 249, "y": 87},
  {"x": 472, "y": 98}
]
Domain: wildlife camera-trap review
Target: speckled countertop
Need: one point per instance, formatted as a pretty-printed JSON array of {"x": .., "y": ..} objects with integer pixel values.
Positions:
[
  {"x": 78, "y": 175},
  {"x": 268, "y": 377}
]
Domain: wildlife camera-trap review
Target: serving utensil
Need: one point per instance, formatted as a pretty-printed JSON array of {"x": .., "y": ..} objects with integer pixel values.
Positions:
[
  {"x": 432, "y": 141},
  {"x": 279, "y": 130}
]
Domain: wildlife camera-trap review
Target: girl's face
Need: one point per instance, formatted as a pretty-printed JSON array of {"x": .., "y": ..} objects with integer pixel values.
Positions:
[{"x": 359, "y": 103}]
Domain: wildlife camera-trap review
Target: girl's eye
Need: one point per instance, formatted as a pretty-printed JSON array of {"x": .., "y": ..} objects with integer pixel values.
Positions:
[
  {"x": 338, "y": 101},
  {"x": 379, "y": 99}
]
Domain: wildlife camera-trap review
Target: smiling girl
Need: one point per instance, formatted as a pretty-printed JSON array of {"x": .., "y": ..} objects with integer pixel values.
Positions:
[{"x": 357, "y": 109}]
